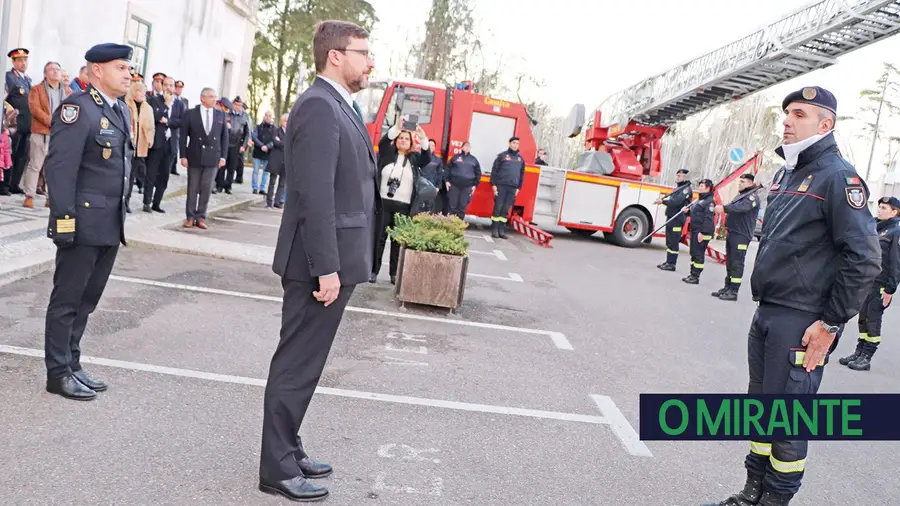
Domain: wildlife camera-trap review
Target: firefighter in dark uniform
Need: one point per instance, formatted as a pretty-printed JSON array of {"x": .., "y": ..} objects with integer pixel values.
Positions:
[
  {"x": 882, "y": 291},
  {"x": 18, "y": 87},
  {"x": 675, "y": 202},
  {"x": 87, "y": 168},
  {"x": 702, "y": 227},
  {"x": 817, "y": 259},
  {"x": 507, "y": 176},
  {"x": 740, "y": 221}
]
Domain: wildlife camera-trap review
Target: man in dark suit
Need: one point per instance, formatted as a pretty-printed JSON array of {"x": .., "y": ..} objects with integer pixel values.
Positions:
[
  {"x": 204, "y": 147},
  {"x": 180, "y": 108},
  {"x": 88, "y": 166},
  {"x": 324, "y": 247},
  {"x": 168, "y": 112}
]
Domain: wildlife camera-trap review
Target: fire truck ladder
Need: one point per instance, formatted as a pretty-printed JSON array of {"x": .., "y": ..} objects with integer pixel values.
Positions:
[{"x": 810, "y": 38}]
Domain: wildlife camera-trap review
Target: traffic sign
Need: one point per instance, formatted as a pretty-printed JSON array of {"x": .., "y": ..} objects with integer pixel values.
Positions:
[{"x": 736, "y": 155}]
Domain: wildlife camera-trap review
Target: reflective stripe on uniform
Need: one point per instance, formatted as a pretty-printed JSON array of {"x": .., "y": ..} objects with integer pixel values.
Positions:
[
  {"x": 671, "y": 251},
  {"x": 707, "y": 237},
  {"x": 795, "y": 466},
  {"x": 881, "y": 292},
  {"x": 871, "y": 339},
  {"x": 863, "y": 336},
  {"x": 736, "y": 281},
  {"x": 697, "y": 265},
  {"x": 764, "y": 449},
  {"x": 800, "y": 355},
  {"x": 676, "y": 229},
  {"x": 742, "y": 247},
  {"x": 498, "y": 218}
]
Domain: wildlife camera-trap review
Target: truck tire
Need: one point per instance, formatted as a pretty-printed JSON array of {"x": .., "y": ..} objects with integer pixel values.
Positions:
[
  {"x": 631, "y": 227},
  {"x": 581, "y": 232}
]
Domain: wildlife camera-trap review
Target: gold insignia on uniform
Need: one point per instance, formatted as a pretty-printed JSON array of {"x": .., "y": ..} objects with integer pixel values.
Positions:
[
  {"x": 68, "y": 113},
  {"x": 805, "y": 185},
  {"x": 809, "y": 93},
  {"x": 104, "y": 123},
  {"x": 66, "y": 226},
  {"x": 96, "y": 96},
  {"x": 21, "y": 91},
  {"x": 107, "y": 152}
]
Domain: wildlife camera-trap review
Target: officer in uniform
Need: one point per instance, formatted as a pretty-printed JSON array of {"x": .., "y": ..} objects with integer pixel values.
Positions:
[
  {"x": 703, "y": 225},
  {"x": 674, "y": 203},
  {"x": 18, "y": 87},
  {"x": 87, "y": 168},
  {"x": 818, "y": 257},
  {"x": 882, "y": 291},
  {"x": 740, "y": 222},
  {"x": 507, "y": 176}
]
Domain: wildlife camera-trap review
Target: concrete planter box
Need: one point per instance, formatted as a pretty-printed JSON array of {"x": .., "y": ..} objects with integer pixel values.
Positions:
[{"x": 432, "y": 279}]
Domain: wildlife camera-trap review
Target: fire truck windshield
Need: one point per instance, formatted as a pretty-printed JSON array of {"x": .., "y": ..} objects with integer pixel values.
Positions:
[{"x": 369, "y": 100}]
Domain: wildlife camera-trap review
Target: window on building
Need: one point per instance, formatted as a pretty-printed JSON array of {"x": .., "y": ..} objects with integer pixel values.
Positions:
[
  {"x": 225, "y": 83},
  {"x": 139, "y": 39}
]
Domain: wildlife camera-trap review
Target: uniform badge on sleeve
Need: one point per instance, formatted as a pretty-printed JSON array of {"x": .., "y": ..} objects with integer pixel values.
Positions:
[
  {"x": 69, "y": 113},
  {"x": 856, "y": 197}
]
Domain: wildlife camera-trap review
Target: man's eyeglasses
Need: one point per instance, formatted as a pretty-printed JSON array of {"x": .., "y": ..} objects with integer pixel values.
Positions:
[{"x": 365, "y": 52}]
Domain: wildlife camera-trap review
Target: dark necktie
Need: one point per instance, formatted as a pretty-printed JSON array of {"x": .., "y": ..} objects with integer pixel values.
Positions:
[
  {"x": 358, "y": 111},
  {"x": 118, "y": 111}
]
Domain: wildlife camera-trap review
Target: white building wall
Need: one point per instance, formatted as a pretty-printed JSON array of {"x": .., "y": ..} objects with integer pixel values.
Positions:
[{"x": 189, "y": 39}]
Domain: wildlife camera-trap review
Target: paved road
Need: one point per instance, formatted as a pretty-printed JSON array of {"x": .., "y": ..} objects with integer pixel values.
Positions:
[{"x": 416, "y": 407}]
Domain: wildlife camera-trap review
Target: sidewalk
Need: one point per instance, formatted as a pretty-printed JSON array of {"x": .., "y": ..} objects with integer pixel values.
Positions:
[{"x": 26, "y": 251}]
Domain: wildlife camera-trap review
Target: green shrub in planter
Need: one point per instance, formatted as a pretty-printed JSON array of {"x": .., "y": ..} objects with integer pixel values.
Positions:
[{"x": 430, "y": 232}]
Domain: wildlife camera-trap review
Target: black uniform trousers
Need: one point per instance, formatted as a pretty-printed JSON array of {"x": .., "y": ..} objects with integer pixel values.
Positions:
[
  {"x": 673, "y": 240},
  {"x": 698, "y": 253},
  {"x": 138, "y": 169},
  {"x": 389, "y": 208},
  {"x": 78, "y": 283},
  {"x": 157, "y": 178},
  {"x": 307, "y": 333},
  {"x": 18, "y": 144},
  {"x": 735, "y": 255},
  {"x": 458, "y": 199},
  {"x": 870, "y": 316},
  {"x": 225, "y": 175},
  {"x": 503, "y": 201},
  {"x": 775, "y": 357}
]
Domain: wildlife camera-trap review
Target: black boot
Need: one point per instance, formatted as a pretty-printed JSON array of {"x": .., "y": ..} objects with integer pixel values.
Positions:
[
  {"x": 501, "y": 230},
  {"x": 720, "y": 291},
  {"x": 773, "y": 499},
  {"x": 846, "y": 360},
  {"x": 495, "y": 229},
  {"x": 691, "y": 279},
  {"x": 747, "y": 497},
  {"x": 863, "y": 362},
  {"x": 730, "y": 294}
]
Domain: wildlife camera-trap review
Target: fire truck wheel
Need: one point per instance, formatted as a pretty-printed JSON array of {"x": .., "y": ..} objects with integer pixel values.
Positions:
[{"x": 631, "y": 228}]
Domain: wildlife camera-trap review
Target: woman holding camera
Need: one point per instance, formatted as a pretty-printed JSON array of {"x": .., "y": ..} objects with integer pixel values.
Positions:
[{"x": 398, "y": 168}]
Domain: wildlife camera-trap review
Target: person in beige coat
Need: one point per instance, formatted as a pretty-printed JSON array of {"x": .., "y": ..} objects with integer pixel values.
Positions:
[{"x": 143, "y": 128}]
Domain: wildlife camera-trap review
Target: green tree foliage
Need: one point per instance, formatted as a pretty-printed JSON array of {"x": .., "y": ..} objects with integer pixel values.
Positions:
[{"x": 284, "y": 41}]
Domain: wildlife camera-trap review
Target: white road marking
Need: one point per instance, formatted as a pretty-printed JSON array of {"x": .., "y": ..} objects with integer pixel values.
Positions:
[
  {"x": 403, "y": 361},
  {"x": 510, "y": 277},
  {"x": 481, "y": 235},
  {"x": 620, "y": 427},
  {"x": 496, "y": 253},
  {"x": 337, "y": 392},
  {"x": 558, "y": 338},
  {"x": 488, "y": 238},
  {"x": 245, "y": 222}
]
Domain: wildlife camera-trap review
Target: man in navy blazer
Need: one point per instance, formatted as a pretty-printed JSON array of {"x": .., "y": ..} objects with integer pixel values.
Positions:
[
  {"x": 204, "y": 147},
  {"x": 324, "y": 249}
]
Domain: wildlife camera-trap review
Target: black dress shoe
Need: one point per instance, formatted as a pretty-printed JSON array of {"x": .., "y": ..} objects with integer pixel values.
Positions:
[
  {"x": 146, "y": 208},
  {"x": 158, "y": 209},
  {"x": 296, "y": 489},
  {"x": 70, "y": 388},
  {"x": 314, "y": 469},
  {"x": 92, "y": 383}
]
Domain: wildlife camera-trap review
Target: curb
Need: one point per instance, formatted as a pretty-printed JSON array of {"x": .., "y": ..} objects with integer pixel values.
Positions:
[{"x": 26, "y": 272}]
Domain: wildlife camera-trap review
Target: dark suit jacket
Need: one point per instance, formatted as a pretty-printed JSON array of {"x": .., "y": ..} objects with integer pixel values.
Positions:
[
  {"x": 202, "y": 149},
  {"x": 276, "y": 154},
  {"x": 333, "y": 207},
  {"x": 177, "y": 115},
  {"x": 160, "y": 110}
]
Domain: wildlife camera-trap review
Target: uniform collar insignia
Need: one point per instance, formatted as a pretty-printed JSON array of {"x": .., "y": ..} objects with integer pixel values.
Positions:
[{"x": 96, "y": 96}]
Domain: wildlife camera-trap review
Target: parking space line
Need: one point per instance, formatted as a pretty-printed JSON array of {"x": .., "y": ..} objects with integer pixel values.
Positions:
[
  {"x": 245, "y": 222},
  {"x": 558, "y": 338},
  {"x": 337, "y": 392},
  {"x": 497, "y": 253},
  {"x": 481, "y": 235},
  {"x": 512, "y": 276},
  {"x": 620, "y": 427}
]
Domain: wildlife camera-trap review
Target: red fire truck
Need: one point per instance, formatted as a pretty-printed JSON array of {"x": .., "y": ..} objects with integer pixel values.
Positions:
[{"x": 605, "y": 193}]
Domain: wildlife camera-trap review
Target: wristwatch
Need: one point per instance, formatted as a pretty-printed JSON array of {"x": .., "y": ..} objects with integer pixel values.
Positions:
[{"x": 831, "y": 329}]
